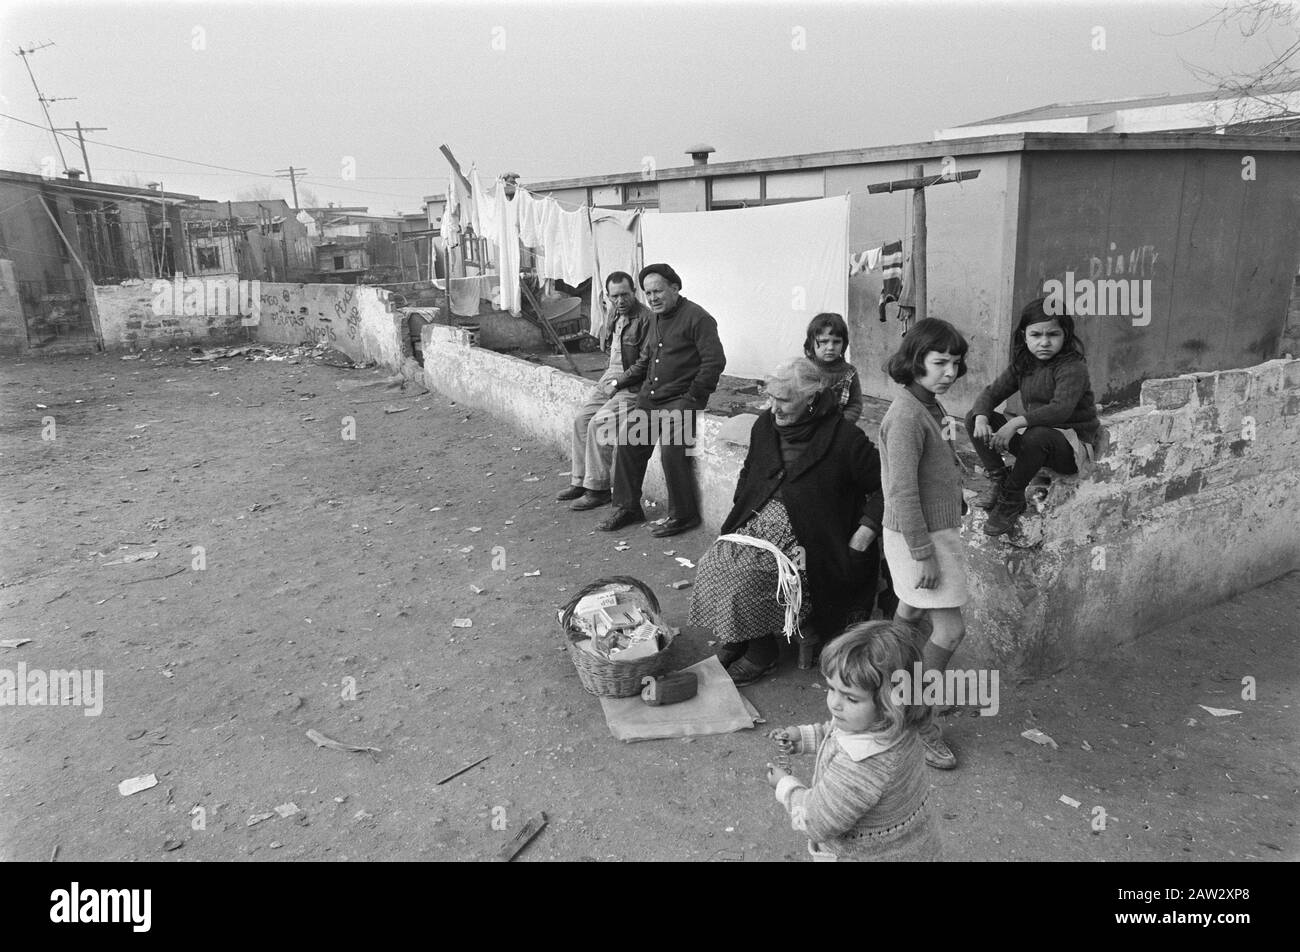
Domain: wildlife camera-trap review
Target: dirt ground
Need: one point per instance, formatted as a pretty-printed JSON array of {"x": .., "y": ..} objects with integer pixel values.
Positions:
[{"x": 329, "y": 560}]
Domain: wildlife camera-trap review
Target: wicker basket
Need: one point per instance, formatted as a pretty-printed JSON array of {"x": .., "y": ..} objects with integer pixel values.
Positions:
[{"x": 600, "y": 676}]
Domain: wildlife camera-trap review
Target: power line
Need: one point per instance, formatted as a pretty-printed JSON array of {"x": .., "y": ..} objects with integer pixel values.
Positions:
[{"x": 223, "y": 168}]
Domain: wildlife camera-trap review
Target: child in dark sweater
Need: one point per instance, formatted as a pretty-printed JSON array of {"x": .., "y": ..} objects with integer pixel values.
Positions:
[
  {"x": 828, "y": 338},
  {"x": 1059, "y": 424}
]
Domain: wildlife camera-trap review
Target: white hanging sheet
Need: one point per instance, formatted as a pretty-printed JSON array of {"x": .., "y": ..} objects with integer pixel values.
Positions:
[{"x": 761, "y": 272}]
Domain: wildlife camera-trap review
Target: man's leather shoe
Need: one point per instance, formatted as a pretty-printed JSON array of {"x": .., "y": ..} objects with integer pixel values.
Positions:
[
  {"x": 592, "y": 499},
  {"x": 620, "y": 518},
  {"x": 570, "y": 494},
  {"x": 673, "y": 526}
]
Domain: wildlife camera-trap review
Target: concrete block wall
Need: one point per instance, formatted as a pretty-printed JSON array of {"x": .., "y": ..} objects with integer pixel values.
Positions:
[
  {"x": 1194, "y": 498},
  {"x": 136, "y": 315},
  {"x": 13, "y": 326},
  {"x": 360, "y": 321},
  {"x": 542, "y": 401}
]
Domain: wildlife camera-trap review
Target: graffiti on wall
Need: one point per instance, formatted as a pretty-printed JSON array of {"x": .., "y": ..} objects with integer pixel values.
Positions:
[{"x": 1118, "y": 284}]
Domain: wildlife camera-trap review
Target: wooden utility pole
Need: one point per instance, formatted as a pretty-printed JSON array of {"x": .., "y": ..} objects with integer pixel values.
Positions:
[
  {"x": 918, "y": 184},
  {"x": 82, "y": 139},
  {"x": 292, "y": 175}
]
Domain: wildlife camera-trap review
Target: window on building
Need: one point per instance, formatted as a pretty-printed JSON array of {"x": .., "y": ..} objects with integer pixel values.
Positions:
[
  {"x": 339, "y": 263},
  {"x": 209, "y": 258},
  {"x": 607, "y": 195},
  {"x": 643, "y": 193},
  {"x": 733, "y": 191},
  {"x": 793, "y": 186}
]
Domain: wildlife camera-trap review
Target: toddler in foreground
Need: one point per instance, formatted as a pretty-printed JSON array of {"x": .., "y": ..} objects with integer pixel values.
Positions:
[{"x": 869, "y": 795}]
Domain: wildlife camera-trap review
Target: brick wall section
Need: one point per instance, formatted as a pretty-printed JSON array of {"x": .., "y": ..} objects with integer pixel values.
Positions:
[{"x": 1195, "y": 498}]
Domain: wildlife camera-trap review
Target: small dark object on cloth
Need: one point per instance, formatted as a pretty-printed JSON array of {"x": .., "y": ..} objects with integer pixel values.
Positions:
[{"x": 670, "y": 688}]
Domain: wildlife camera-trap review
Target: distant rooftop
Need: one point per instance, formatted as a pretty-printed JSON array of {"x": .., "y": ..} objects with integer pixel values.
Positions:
[{"x": 1065, "y": 110}]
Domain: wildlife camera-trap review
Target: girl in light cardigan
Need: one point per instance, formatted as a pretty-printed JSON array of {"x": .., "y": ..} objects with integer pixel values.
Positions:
[
  {"x": 921, "y": 478},
  {"x": 868, "y": 799}
]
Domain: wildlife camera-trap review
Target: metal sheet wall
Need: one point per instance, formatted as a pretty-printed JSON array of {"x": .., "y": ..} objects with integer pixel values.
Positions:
[{"x": 1219, "y": 249}]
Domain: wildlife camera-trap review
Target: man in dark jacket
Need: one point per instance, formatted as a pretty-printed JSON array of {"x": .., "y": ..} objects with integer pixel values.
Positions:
[
  {"x": 596, "y": 427},
  {"x": 678, "y": 370}
]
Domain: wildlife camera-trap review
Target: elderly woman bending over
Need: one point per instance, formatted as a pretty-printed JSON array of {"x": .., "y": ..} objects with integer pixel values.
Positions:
[{"x": 800, "y": 542}]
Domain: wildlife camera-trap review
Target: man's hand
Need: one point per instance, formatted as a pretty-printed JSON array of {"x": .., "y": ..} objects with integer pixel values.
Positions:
[
  {"x": 927, "y": 573},
  {"x": 610, "y": 387},
  {"x": 982, "y": 429},
  {"x": 861, "y": 539}
]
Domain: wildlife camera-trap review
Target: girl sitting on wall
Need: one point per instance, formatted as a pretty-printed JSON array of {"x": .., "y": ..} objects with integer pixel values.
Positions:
[{"x": 1059, "y": 424}]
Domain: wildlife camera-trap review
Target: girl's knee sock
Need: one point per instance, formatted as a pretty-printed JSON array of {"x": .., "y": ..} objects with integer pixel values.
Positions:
[{"x": 934, "y": 658}]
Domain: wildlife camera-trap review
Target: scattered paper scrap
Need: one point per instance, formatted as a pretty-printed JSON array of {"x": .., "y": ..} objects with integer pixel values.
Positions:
[
  {"x": 476, "y": 590},
  {"x": 320, "y": 740},
  {"x": 1069, "y": 801},
  {"x": 533, "y": 574},
  {"x": 1038, "y": 737},
  {"x": 532, "y": 479},
  {"x": 1086, "y": 746},
  {"x": 257, "y": 818},
  {"x": 1218, "y": 711},
  {"x": 136, "y": 784},
  {"x": 13, "y": 642},
  {"x": 468, "y": 548},
  {"x": 396, "y": 409},
  {"x": 670, "y": 552},
  {"x": 462, "y": 623},
  {"x": 681, "y": 583},
  {"x": 622, "y": 547},
  {"x": 287, "y": 809},
  {"x": 475, "y": 528},
  {"x": 685, "y": 563}
]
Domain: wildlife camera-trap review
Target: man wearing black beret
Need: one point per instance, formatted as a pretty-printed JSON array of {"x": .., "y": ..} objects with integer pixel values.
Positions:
[{"x": 678, "y": 370}]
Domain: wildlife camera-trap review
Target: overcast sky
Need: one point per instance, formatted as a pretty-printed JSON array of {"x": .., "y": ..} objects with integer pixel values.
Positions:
[{"x": 558, "y": 89}]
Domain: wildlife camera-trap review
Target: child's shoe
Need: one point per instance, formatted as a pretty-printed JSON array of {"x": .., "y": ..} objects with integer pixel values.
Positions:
[
  {"x": 1004, "y": 515},
  {"x": 989, "y": 498},
  {"x": 937, "y": 754}
]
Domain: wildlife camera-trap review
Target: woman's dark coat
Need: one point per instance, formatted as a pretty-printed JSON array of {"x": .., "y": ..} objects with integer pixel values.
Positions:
[{"x": 831, "y": 489}]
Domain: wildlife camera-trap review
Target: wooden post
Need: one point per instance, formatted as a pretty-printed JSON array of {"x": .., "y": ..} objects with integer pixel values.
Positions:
[
  {"x": 918, "y": 184},
  {"x": 918, "y": 246}
]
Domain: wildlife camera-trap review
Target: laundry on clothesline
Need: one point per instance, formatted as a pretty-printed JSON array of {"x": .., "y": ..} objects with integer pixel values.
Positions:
[
  {"x": 867, "y": 260},
  {"x": 891, "y": 263},
  {"x": 466, "y": 293}
]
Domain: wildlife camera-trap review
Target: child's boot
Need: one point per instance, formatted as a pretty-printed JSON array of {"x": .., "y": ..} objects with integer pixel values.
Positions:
[
  {"x": 989, "y": 498},
  {"x": 937, "y": 753},
  {"x": 1004, "y": 515}
]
